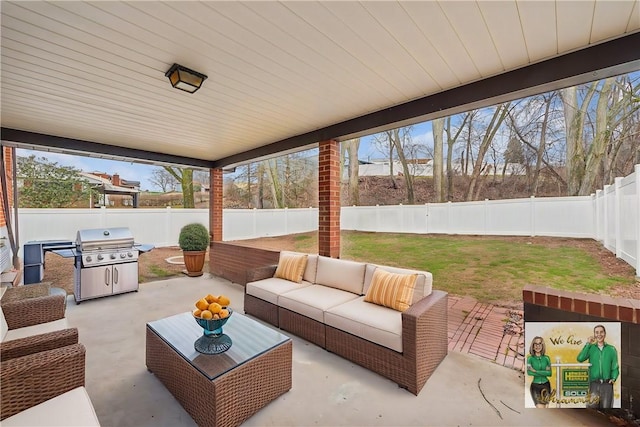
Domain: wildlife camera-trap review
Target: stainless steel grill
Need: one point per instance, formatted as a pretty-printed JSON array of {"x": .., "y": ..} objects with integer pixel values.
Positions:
[{"x": 106, "y": 263}]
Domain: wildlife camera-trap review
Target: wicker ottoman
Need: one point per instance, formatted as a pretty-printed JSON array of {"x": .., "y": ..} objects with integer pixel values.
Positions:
[{"x": 223, "y": 389}]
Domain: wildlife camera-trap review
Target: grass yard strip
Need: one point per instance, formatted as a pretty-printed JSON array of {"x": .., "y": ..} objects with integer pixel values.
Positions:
[{"x": 490, "y": 270}]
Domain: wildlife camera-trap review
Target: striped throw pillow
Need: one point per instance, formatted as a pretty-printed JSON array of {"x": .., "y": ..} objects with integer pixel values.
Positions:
[
  {"x": 391, "y": 290},
  {"x": 291, "y": 267}
]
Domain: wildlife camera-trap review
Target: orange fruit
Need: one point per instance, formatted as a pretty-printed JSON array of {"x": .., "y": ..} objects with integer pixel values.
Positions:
[
  {"x": 202, "y": 304},
  {"x": 216, "y": 317},
  {"x": 206, "y": 314},
  {"x": 214, "y": 308},
  {"x": 224, "y": 313},
  {"x": 223, "y": 300},
  {"x": 197, "y": 312},
  {"x": 210, "y": 298}
]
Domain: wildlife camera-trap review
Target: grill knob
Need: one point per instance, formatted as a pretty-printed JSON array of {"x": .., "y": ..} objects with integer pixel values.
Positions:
[
  {"x": 122, "y": 255},
  {"x": 89, "y": 258},
  {"x": 130, "y": 255},
  {"x": 100, "y": 257},
  {"x": 113, "y": 256}
]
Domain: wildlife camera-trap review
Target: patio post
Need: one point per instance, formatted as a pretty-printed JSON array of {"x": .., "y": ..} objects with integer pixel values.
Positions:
[
  {"x": 215, "y": 205},
  {"x": 329, "y": 199}
]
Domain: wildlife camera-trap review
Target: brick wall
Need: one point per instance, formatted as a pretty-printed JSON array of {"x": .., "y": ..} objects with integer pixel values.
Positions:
[
  {"x": 232, "y": 261},
  {"x": 215, "y": 204},
  {"x": 329, "y": 199},
  {"x": 542, "y": 304}
]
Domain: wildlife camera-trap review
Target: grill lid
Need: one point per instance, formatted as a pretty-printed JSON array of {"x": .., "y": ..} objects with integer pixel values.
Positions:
[{"x": 96, "y": 239}]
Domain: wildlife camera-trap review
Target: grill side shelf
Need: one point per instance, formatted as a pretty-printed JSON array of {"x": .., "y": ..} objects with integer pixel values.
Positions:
[
  {"x": 34, "y": 254},
  {"x": 65, "y": 253}
]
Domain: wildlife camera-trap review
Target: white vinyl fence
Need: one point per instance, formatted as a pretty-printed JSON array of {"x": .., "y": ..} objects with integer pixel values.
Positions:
[
  {"x": 611, "y": 216},
  {"x": 553, "y": 216}
]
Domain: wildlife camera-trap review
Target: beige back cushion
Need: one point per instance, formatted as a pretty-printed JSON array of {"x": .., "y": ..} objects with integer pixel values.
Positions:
[
  {"x": 309, "y": 274},
  {"x": 423, "y": 286},
  {"x": 291, "y": 266},
  {"x": 341, "y": 274},
  {"x": 391, "y": 290}
]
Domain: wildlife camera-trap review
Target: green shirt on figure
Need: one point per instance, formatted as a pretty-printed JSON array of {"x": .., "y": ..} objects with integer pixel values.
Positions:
[
  {"x": 542, "y": 366},
  {"x": 604, "y": 363}
]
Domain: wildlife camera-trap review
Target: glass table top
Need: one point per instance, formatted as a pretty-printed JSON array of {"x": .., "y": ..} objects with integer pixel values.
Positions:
[{"x": 249, "y": 340}]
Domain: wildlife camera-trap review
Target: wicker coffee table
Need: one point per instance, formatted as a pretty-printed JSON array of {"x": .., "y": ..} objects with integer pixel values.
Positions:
[{"x": 223, "y": 389}]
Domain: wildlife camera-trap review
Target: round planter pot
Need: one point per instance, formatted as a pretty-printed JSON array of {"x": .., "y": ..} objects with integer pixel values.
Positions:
[{"x": 194, "y": 262}]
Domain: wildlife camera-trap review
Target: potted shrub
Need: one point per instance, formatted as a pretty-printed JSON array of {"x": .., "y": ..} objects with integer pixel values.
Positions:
[{"x": 194, "y": 241}]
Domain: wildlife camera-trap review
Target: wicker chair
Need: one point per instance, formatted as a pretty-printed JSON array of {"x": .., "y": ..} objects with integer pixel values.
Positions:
[
  {"x": 39, "y": 368},
  {"x": 40, "y": 301}
]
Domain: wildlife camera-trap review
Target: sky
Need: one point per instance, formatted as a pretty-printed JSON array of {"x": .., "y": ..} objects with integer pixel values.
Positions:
[{"x": 141, "y": 172}]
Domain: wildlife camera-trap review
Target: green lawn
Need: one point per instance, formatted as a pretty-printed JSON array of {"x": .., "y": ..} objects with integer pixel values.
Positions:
[{"x": 488, "y": 269}]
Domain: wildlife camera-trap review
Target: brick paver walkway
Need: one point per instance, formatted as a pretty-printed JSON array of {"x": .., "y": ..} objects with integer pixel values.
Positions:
[{"x": 495, "y": 333}]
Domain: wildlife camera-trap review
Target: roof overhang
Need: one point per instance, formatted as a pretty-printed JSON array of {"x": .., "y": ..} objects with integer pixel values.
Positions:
[{"x": 88, "y": 77}]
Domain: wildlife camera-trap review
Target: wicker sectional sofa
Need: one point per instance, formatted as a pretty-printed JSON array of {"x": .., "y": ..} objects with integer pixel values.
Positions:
[{"x": 328, "y": 309}]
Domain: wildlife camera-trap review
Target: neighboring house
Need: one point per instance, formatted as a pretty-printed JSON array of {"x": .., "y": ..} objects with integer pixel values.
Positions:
[
  {"x": 377, "y": 167},
  {"x": 511, "y": 169},
  {"x": 204, "y": 186},
  {"x": 424, "y": 168},
  {"x": 114, "y": 190}
]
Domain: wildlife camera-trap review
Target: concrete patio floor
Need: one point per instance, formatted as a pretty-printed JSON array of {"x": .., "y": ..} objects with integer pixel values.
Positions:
[{"x": 327, "y": 390}]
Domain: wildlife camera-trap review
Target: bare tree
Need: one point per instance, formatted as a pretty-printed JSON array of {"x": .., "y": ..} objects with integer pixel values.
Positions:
[
  {"x": 574, "y": 117},
  {"x": 351, "y": 148},
  {"x": 185, "y": 177},
  {"x": 163, "y": 179},
  {"x": 384, "y": 145},
  {"x": 273, "y": 177},
  {"x": 452, "y": 136},
  {"x": 532, "y": 121},
  {"x": 597, "y": 120},
  {"x": 624, "y": 131},
  {"x": 437, "y": 127},
  {"x": 497, "y": 118},
  {"x": 289, "y": 180},
  {"x": 399, "y": 137}
]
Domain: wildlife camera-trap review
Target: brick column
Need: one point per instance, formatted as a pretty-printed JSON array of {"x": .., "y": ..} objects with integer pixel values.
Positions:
[
  {"x": 8, "y": 169},
  {"x": 215, "y": 205},
  {"x": 329, "y": 199}
]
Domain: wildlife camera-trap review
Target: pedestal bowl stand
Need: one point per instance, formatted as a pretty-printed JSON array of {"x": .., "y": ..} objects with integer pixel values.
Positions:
[{"x": 213, "y": 340}]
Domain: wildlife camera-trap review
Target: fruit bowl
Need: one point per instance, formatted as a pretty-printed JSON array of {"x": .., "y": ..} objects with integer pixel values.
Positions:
[{"x": 213, "y": 327}]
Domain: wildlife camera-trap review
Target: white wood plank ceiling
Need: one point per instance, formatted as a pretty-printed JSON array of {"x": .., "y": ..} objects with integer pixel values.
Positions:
[{"x": 94, "y": 70}]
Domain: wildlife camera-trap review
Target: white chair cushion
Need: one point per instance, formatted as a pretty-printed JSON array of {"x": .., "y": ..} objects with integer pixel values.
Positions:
[
  {"x": 269, "y": 289},
  {"x": 72, "y": 408},
  {"x": 4, "y": 327},
  {"x": 424, "y": 282},
  {"x": 312, "y": 301},
  {"x": 42, "y": 328},
  {"x": 371, "y": 322},
  {"x": 341, "y": 274}
]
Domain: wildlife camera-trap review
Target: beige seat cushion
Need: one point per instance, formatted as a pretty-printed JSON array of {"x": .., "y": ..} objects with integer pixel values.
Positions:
[
  {"x": 312, "y": 301},
  {"x": 423, "y": 286},
  {"x": 42, "y": 328},
  {"x": 341, "y": 274},
  {"x": 269, "y": 289},
  {"x": 371, "y": 322},
  {"x": 72, "y": 408}
]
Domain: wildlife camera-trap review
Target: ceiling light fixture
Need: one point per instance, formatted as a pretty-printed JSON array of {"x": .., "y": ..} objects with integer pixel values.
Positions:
[{"x": 185, "y": 79}]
